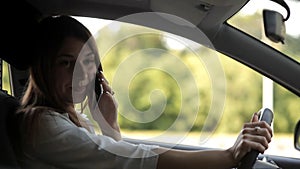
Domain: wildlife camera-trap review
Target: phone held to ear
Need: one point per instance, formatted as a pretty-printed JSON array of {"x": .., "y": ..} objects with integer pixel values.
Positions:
[{"x": 98, "y": 86}]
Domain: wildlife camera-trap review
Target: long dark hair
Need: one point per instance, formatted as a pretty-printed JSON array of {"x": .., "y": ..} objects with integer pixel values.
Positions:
[{"x": 40, "y": 93}]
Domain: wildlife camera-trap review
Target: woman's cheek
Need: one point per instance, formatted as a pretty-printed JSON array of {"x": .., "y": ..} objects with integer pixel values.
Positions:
[{"x": 92, "y": 73}]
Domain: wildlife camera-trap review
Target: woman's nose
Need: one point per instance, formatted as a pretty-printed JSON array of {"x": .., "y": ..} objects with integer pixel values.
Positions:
[{"x": 79, "y": 71}]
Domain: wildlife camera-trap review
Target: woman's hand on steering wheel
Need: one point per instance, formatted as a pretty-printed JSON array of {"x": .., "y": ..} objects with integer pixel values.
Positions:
[{"x": 255, "y": 135}]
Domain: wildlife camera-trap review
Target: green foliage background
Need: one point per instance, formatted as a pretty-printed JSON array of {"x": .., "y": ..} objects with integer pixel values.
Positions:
[{"x": 243, "y": 85}]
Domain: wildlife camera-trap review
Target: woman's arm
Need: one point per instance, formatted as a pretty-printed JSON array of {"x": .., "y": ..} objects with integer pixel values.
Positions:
[
  {"x": 249, "y": 138},
  {"x": 179, "y": 159}
]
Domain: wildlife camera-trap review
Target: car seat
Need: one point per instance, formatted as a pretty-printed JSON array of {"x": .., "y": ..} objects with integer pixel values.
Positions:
[{"x": 8, "y": 130}]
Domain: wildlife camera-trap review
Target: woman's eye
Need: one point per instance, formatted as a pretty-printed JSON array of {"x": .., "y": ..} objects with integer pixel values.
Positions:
[
  {"x": 66, "y": 63},
  {"x": 87, "y": 61}
]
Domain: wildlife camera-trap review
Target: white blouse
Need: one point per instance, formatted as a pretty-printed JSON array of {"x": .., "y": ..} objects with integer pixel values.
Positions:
[{"x": 59, "y": 143}]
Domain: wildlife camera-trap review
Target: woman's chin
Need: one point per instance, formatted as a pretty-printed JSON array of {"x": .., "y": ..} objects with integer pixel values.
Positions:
[{"x": 78, "y": 98}]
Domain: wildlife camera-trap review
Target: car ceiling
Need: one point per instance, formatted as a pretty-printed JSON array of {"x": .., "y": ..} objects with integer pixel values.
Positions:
[
  {"x": 195, "y": 11},
  {"x": 208, "y": 15}
]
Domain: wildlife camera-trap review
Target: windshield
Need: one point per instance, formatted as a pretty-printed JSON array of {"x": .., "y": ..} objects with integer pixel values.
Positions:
[{"x": 251, "y": 14}]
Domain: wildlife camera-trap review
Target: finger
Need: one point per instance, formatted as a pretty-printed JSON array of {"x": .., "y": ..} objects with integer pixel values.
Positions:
[
  {"x": 105, "y": 87},
  {"x": 111, "y": 93},
  {"x": 254, "y": 117},
  {"x": 265, "y": 125},
  {"x": 255, "y": 142},
  {"x": 105, "y": 84},
  {"x": 258, "y": 131},
  {"x": 262, "y": 132},
  {"x": 102, "y": 77},
  {"x": 259, "y": 147},
  {"x": 261, "y": 124}
]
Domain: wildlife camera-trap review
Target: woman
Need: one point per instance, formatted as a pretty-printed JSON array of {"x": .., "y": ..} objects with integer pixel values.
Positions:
[{"x": 56, "y": 136}]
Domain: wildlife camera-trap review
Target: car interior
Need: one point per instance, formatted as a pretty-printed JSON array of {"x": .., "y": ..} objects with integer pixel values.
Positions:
[{"x": 20, "y": 17}]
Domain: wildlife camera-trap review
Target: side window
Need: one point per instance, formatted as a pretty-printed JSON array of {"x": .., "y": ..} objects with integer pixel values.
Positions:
[
  {"x": 5, "y": 77},
  {"x": 14, "y": 80},
  {"x": 173, "y": 90}
]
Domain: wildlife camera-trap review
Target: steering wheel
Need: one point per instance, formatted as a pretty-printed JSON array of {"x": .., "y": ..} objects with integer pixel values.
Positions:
[{"x": 249, "y": 159}]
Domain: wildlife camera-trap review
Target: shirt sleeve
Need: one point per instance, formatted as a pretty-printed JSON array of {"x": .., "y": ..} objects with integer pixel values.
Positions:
[{"x": 62, "y": 144}]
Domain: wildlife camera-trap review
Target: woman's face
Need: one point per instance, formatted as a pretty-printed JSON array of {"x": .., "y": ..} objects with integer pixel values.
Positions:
[{"x": 74, "y": 69}]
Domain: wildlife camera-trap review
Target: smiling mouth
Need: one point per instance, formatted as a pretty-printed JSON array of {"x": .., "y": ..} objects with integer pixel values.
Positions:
[
  {"x": 81, "y": 86},
  {"x": 83, "y": 82}
]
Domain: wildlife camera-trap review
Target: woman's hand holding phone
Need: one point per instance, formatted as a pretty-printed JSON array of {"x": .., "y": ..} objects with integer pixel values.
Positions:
[{"x": 107, "y": 104}]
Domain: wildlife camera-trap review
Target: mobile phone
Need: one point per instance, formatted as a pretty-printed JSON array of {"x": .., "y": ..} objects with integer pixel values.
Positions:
[{"x": 98, "y": 87}]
